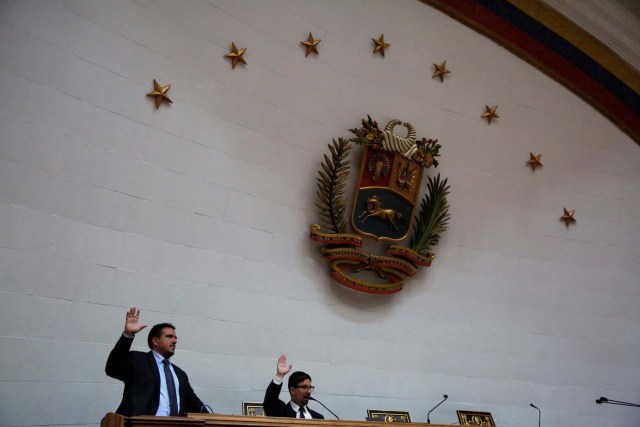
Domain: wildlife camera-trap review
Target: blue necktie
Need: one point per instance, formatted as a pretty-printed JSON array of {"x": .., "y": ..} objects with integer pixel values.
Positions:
[
  {"x": 171, "y": 389},
  {"x": 302, "y": 412}
]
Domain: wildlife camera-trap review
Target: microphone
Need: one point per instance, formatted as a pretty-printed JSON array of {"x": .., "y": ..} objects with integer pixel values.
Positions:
[
  {"x": 616, "y": 402},
  {"x": 316, "y": 400},
  {"x": 441, "y": 402},
  {"x": 539, "y": 412}
]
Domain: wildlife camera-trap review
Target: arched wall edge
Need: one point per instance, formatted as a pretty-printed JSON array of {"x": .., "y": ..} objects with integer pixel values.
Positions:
[{"x": 559, "y": 48}]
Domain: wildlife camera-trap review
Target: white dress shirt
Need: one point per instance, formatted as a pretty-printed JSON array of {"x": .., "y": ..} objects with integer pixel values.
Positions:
[{"x": 163, "y": 405}]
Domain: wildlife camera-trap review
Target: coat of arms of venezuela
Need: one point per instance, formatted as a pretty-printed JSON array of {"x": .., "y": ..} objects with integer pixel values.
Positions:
[{"x": 384, "y": 207}]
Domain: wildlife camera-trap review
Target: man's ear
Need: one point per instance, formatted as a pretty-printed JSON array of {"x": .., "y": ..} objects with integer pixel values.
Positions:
[{"x": 154, "y": 341}]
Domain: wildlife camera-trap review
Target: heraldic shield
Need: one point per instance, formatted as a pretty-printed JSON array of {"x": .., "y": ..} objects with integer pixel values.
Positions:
[
  {"x": 391, "y": 172},
  {"x": 387, "y": 192}
]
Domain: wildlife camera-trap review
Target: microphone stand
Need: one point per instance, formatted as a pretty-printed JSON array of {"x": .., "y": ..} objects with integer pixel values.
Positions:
[
  {"x": 441, "y": 402},
  {"x": 616, "y": 402},
  {"x": 207, "y": 407},
  {"x": 316, "y": 400},
  {"x": 539, "y": 412}
]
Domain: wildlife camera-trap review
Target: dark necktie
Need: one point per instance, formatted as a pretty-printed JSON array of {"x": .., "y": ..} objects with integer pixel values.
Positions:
[
  {"x": 301, "y": 412},
  {"x": 171, "y": 389}
]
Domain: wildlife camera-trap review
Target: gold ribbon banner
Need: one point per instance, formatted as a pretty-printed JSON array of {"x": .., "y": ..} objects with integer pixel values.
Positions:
[
  {"x": 347, "y": 259},
  {"x": 410, "y": 255},
  {"x": 345, "y": 239}
]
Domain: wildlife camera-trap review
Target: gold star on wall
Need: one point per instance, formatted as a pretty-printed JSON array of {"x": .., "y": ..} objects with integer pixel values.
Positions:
[
  {"x": 310, "y": 45},
  {"x": 490, "y": 113},
  {"x": 534, "y": 161},
  {"x": 440, "y": 71},
  {"x": 380, "y": 45},
  {"x": 568, "y": 217},
  {"x": 160, "y": 93},
  {"x": 236, "y": 55}
]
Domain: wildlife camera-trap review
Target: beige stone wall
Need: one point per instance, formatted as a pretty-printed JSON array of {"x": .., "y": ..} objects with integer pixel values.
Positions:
[{"x": 198, "y": 213}]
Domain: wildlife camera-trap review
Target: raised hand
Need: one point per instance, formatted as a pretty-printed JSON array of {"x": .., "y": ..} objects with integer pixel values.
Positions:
[
  {"x": 282, "y": 369},
  {"x": 131, "y": 326}
]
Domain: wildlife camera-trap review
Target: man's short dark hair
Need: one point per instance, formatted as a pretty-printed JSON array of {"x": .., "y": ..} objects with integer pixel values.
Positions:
[
  {"x": 156, "y": 332},
  {"x": 297, "y": 377}
]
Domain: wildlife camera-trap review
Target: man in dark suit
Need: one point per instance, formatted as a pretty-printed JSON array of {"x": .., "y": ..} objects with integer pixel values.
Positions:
[
  {"x": 300, "y": 389},
  {"x": 152, "y": 384}
]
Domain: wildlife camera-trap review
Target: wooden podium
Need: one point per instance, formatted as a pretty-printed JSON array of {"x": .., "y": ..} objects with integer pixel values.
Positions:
[{"x": 197, "y": 420}]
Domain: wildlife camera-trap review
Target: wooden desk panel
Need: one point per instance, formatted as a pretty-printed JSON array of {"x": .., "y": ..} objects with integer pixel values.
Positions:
[{"x": 217, "y": 420}]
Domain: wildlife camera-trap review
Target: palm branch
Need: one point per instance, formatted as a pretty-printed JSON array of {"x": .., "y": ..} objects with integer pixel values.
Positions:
[
  {"x": 433, "y": 219},
  {"x": 331, "y": 183}
]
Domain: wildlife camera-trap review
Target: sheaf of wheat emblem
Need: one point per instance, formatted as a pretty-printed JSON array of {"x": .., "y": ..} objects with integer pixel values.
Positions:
[{"x": 384, "y": 207}]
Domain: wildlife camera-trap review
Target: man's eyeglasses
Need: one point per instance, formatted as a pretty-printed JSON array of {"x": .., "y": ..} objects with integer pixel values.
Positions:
[{"x": 306, "y": 387}]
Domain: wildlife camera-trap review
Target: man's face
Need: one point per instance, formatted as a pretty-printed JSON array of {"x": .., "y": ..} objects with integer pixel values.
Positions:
[
  {"x": 166, "y": 343},
  {"x": 300, "y": 394}
]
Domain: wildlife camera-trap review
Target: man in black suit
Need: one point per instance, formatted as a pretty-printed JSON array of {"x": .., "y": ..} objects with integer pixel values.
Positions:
[
  {"x": 300, "y": 389},
  {"x": 152, "y": 384}
]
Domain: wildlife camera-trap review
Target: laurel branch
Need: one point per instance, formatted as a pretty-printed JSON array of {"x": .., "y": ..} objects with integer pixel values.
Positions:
[
  {"x": 331, "y": 184},
  {"x": 433, "y": 219}
]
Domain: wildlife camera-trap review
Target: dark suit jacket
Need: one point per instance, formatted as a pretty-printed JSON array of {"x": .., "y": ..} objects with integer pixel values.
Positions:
[
  {"x": 274, "y": 407},
  {"x": 141, "y": 376}
]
